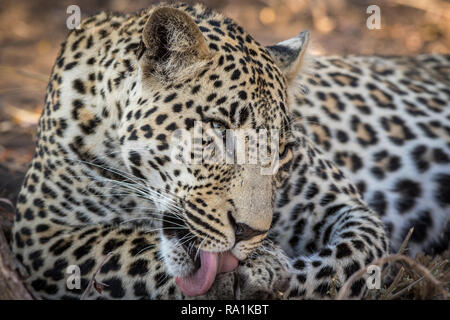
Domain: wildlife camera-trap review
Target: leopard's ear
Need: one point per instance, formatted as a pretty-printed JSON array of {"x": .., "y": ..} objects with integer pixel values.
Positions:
[
  {"x": 172, "y": 45},
  {"x": 289, "y": 54}
]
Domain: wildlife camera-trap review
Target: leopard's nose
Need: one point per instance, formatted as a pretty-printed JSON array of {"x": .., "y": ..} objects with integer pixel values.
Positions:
[{"x": 243, "y": 231}]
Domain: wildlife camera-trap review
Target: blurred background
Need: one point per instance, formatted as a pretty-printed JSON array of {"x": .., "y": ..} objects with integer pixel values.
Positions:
[{"x": 31, "y": 31}]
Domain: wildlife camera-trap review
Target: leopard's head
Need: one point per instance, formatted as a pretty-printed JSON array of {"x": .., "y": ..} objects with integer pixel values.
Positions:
[{"x": 204, "y": 83}]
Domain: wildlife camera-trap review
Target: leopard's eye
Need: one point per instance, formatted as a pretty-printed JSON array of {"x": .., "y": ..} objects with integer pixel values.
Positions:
[{"x": 219, "y": 126}]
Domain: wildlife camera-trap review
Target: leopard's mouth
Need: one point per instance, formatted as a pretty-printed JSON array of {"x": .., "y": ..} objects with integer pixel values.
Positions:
[{"x": 207, "y": 265}]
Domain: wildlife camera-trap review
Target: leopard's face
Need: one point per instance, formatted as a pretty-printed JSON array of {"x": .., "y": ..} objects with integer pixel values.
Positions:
[{"x": 194, "y": 143}]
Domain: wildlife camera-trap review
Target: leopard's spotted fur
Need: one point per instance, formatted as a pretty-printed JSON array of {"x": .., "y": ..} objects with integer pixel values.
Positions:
[{"x": 102, "y": 180}]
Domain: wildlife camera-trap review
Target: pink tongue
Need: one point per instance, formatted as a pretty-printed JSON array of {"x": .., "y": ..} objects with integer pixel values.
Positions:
[{"x": 211, "y": 263}]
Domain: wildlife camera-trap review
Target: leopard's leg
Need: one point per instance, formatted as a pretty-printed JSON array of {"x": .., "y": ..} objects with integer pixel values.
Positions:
[
  {"x": 355, "y": 241},
  {"x": 325, "y": 227}
]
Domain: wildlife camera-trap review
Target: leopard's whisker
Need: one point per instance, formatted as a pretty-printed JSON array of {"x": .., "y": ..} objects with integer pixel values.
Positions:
[
  {"x": 144, "y": 193},
  {"x": 184, "y": 239},
  {"x": 152, "y": 218},
  {"x": 199, "y": 247}
]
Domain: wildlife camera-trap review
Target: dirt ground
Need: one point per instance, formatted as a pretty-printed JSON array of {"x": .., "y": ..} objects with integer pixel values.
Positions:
[{"x": 32, "y": 30}]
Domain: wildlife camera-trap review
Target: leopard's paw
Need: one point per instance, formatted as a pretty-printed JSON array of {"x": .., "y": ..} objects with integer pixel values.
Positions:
[{"x": 263, "y": 276}]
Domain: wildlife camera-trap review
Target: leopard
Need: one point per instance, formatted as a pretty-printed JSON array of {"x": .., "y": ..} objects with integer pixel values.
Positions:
[{"x": 115, "y": 194}]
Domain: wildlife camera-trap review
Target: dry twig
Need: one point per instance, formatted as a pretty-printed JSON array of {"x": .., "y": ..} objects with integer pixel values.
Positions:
[
  {"x": 393, "y": 285},
  {"x": 11, "y": 285},
  {"x": 343, "y": 292},
  {"x": 93, "y": 282}
]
